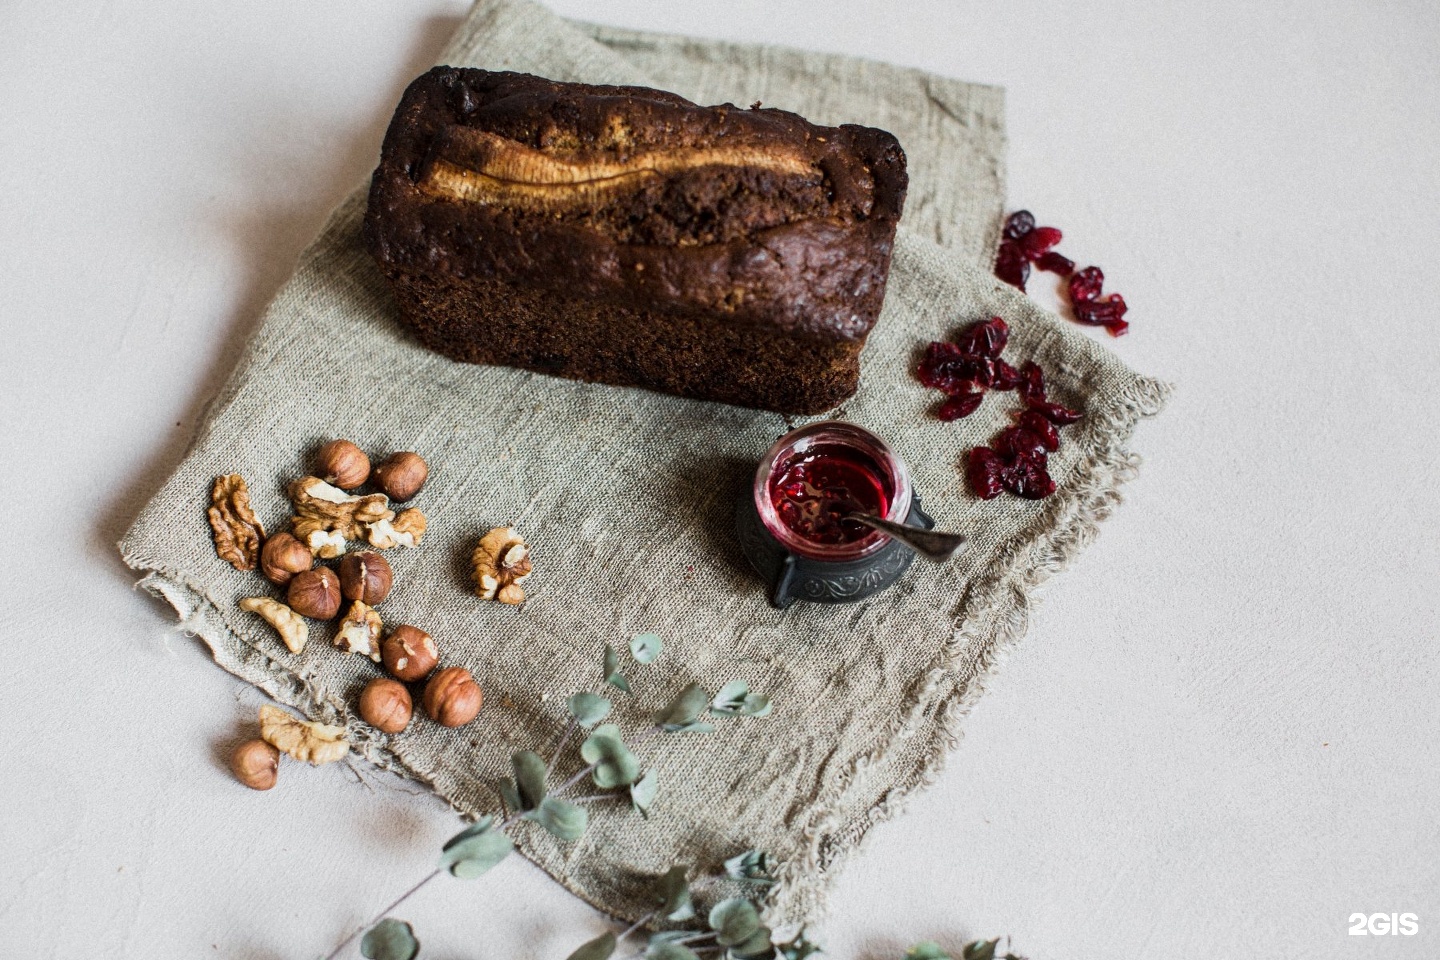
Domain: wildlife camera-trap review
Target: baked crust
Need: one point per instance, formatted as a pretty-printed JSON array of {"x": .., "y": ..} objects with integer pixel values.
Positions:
[{"x": 623, "y": 206}]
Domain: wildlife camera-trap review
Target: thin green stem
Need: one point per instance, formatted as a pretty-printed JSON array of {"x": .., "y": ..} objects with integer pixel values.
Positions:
[
  {"x": 381, "y": 915},
  {"x": 564, "y": 738},
  {"x": 636, "y": 925},
  {"x": 574, "y": 780}
]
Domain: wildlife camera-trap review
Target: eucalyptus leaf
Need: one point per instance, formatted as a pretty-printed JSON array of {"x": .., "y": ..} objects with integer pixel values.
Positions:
[
  {"x": 642, "y": 793},
  {"x": 926, "y": 950},
  {"x": 645, "y": 647},
  {"x": 757, "y": 946},
  {"x": 798, "y": 949},
  {"x": 734, "y": 921},
  {"x": 980, "y": 950},
  {"x": 669, "y": 951},
  {"x": 598, "y": 949},
  {"x": 529, "y": 778},
  {"x": 752, "y": 866},
  {"x": 565, "y": 820},
  {"x": 736, "y": 700},
  {"x": 612, "y": 670},
  {"x": 694, "y": 726},
  {"x": 475, "y": 850},
  {"x": 474, "y": 830},
  {"x": 672, "y": 893},
  {"x": 730, "y": 697},
  {"x": 615, "y": 765},
  {"x": 510, "y": 794},
  {"x": 588, "y": 709},
  {"x": 683, "y": 710},
  {"x": 389, "y": 940}
]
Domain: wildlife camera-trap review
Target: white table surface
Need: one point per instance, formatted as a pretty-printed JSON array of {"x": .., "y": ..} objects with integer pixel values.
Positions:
[{"x": 1219, "y": 739}]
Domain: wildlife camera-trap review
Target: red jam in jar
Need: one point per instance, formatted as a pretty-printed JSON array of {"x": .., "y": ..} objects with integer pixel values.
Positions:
[{"x": 813, "y": 490}]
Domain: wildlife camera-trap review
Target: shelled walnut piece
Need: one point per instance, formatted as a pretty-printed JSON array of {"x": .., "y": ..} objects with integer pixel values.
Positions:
[
  {"x": 406, "y": 530},
  {"x": 289, "y": 624},
  {"x": 318, "y": 537},
  {"x": 238, "y": 533},
  {"x": 501, "y": 561},
  {"x": 330, "y": 508},
  {"x": 360, "y": 631},
  {"x": 314, "y": 743}
]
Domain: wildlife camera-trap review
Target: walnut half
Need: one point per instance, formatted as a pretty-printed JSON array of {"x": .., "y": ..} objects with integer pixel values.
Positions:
[
  {"x": 289, "y": 624},
  {"x": 501, "y": 561},
  {"x": 315, "y": 743},
  {"x": 320, "y": 506},
  {"x": 238, "y": 533},
  {"x": 406, "y": 530}
]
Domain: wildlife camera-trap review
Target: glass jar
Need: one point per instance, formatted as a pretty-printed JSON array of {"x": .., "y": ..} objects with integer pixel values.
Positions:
[{"x": 838, "y": 449}]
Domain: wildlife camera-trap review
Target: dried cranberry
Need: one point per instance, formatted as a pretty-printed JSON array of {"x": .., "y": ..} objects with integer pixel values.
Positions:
[
  {"x": 1011, "y": 265},
  {"x": 1086, "y": 284},
  {"x": 1055, "y": 413},
  {"x": 984, "y": 371},
  {"x": 1056, "y": 262},
  {"x": 1032, "y": 383},
  {"x": 1105, "y": 313},
  {"x": 1023, "y": 474},
  {"x": 1027, "y": 477},
  {"x": 1098, "y": 313},
  {"x": 947, "y": 367},
  {"x": 1020, "y": 441},
  {"x": 1038, "y": 242},
  {"x": 1035, "y": 422},
  {"x": 1018, "y": 224},
  {"x": 959, "y": 405},
  {"x": 1006, "y": 376},
  {"x": 986, "y": 338},
  {"x": 983, "y": 471}
]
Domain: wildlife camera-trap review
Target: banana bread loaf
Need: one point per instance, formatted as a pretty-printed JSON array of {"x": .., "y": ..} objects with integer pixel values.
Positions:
[{"x": 628, "y": 236}]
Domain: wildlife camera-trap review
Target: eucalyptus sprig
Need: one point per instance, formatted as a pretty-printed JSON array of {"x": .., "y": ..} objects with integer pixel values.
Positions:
[
  {"x": 732, "y": 929},
  {"x": 528, "y": 795},
  {"x": 975, "y": 950}
]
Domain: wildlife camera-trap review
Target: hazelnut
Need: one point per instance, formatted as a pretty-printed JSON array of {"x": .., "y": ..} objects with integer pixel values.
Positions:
[
  {"x": 365, "y": 577},
  {"x": 409, "y": 654},
  {"x": 385, "y": 705},
  {"x": 342, "y": 463},
  {"x": 315, "y": 594},
  {"x": 452, "y": 697},
  {"x": 256, "y": 764},
  {"x": 282, "y": 557},
  {"x": 401, "y": 475}
]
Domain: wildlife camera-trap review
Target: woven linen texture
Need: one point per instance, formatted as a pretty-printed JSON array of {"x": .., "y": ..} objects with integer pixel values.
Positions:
[{"x": 627, "y": 498}]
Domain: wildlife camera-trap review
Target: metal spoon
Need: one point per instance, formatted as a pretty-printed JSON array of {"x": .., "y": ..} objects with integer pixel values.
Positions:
[{"x": 930, "y": 544}]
